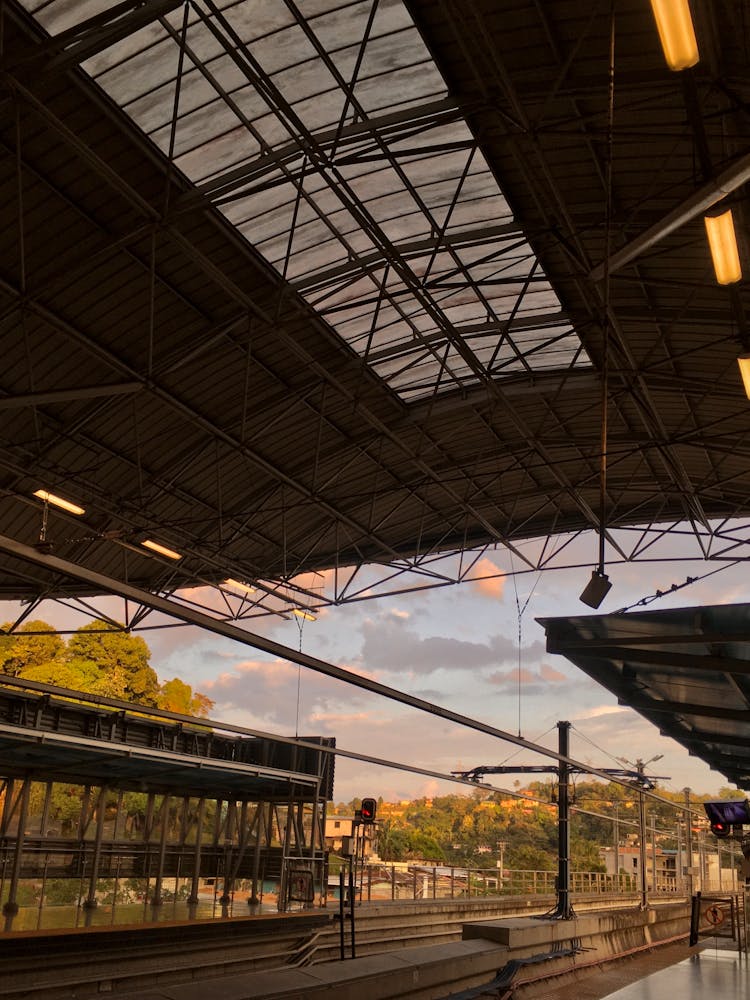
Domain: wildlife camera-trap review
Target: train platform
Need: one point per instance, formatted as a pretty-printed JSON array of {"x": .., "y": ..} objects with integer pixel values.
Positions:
[
  {"x": 714, "y": 969},
  {"x": 709, "y": 972}
]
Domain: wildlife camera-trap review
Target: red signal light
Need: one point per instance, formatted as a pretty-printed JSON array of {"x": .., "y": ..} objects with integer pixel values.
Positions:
[
  {"x": 720, "y": 829},
  {"x": 369, "y": 807}
]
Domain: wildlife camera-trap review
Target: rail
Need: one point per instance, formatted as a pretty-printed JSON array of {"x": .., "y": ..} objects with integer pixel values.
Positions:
[{"x": 378, "y": 882}]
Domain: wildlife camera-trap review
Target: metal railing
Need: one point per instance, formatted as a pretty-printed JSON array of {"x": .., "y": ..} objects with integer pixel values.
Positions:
[{"x": 418, "y": 881}]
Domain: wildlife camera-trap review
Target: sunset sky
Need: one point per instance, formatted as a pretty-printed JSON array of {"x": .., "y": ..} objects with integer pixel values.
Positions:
[{"x": 457, "y": 647}]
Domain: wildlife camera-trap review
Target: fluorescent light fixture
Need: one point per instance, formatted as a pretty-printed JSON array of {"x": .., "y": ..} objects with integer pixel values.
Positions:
[
  {"x": 161, "y": 549},
  {"x": 245, "y": 587},
  {"x": 676, "y": 32},
  {"x": 307, "y": 615},
  {"x": 744, "y": 363},
  {"x": 71, "y": 508},
  {"x": 723, "y": 245}
]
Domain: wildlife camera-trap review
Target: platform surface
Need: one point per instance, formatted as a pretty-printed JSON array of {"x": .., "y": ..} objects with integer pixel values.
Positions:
[{"x": 711, "y": 973}]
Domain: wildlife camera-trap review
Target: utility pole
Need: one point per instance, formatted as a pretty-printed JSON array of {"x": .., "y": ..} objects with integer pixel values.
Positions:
[
  {"x": 616, "y": 837},
  {"x": 688, "y": 843},
  {"x": 643, "y": 782},
  {"x": 563, "y": 910},
  {"x": 501, "y": 845}
]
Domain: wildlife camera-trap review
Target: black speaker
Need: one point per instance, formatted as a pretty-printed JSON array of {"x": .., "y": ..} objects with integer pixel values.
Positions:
[{"x": 596, "y": 589}]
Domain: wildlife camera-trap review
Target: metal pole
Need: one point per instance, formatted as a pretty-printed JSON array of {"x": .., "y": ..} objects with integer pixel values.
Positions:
[
  {"x": 342, "y": 914},
  {"x": 642, "y": 849},
  {"x": 351, "y": 908},
  {"x": 11, "y": 906},
  {"x": 193, "y": 897},
  {"x": 653, "y": 854},
  {"x": 616, "y": 838},
  {"x": 90, "y": 902},
  {"x": 157, "y": 897},
  {"x": 563, "y": 909},
  {"x": 688, "y": 843}
]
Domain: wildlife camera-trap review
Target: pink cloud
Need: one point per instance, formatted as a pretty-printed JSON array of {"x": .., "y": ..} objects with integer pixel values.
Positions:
[
  {"x": 548, "y": 673},
  {"x": 486, "y": 581}
]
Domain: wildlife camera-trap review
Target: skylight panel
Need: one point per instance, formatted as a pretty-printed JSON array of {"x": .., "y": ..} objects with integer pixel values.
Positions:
[{"x": 328, "y": 139}]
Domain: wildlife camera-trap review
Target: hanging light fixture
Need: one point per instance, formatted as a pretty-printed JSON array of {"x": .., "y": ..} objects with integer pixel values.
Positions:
[
  {"x": 307, "y": 615},
  {"x": 743, "y": 362},
  {"x": 162, "y": 550},
  {"x": 66, "y": 505},
  {"x": 722, "y": 243},
  {"x": 676, "y": 33},
  {"x": 238, "y": 585}
]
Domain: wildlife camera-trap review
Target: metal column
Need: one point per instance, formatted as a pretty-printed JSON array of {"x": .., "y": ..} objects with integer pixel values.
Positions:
[{"x": 563, "y": 910}]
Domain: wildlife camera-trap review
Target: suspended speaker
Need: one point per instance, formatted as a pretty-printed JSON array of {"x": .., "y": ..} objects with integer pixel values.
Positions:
[{"x": 596, "y": 589}]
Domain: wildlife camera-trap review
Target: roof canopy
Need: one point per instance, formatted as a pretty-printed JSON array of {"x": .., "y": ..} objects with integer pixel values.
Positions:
[
  {"x": 686, "y": 670},
  {"x": 292, "y": 287}
]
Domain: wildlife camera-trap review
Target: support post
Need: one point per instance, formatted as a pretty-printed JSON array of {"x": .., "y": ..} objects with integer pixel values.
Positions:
[
  {"x": 688, "y": 843},
  {"x": 563, "y": 910},
  {"x": 156, "y": 899},
  {"x": 90, "y": 902},
  {"x": 193, "y": 898},
  {"x": 616, "y": 845},
  {"x": 11, "y": 905},
  {"x": 642, "y": 846}
]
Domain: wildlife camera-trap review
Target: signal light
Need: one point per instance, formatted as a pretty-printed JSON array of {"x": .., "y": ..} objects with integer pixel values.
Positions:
[
  {"x": 369, "y": 807},
  {"x": 721, "y": 829}
]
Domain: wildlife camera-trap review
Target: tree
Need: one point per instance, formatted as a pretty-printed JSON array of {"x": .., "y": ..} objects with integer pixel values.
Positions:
[
  {"x": 120, "y": 661},
  {"x": 177, "y": 696},
  {"x": 23, "y": 649}
]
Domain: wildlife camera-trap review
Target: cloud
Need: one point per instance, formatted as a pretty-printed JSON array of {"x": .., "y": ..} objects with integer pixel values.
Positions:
[
  {"x": 390, "y": 645},
  {"x": 486, "y": 581},
  {"x": 599, "y": 710},
  {"x": 548, "y": 673}
]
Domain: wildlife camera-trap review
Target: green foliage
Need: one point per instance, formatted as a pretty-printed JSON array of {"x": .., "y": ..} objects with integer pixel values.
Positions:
[
  {"x": 61, "y": 891},
  {"x": 121, "y": 662},
  {"x": 99, "y": 658},
  {"x": 476, "y": 830},
  {"x": 177, "y": 696},
  {"x": 25, "y": 650}
]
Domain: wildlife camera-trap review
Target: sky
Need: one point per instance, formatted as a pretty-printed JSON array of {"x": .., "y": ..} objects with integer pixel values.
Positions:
[{"x": 456, "y": 646}]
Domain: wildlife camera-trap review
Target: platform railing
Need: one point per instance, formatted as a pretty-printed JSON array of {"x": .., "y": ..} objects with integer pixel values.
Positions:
[{"x": 423, "y": 881}]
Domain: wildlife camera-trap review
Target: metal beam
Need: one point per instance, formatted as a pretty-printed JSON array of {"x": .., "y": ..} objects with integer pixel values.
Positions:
[
  {"x": 68, "y": 395},
  {"x": 698, "y": 202},
  {"x": 659, "y": 658},
  {"x": 685, "y": 708}
]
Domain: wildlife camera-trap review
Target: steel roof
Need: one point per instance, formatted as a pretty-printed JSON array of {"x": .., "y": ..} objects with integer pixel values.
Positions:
[
  {"x": 287, "y": 287},
  {"x": 686, "y": 670}
]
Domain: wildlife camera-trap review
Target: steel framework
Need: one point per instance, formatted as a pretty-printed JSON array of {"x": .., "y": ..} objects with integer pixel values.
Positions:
[{"x": 318, "y": 300}]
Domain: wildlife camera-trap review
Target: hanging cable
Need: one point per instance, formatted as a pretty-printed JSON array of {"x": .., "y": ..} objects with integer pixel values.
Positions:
[
  {"x": 678, "y": 586},
  {"x": 520, "y": 612},
  {"x": 606, "y": 303},
  {"x": 300, "y": 626},
  {"x": 518, "y": 751},
  {"x": 601, "y": 750}
]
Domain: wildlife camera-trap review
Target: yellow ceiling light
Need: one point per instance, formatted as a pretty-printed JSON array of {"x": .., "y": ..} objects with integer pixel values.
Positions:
[
  {"x": 723, "y": 245},
  {"x": 744, "y": 364},
  {"x": 307, "y": 615},
  {"x": 237, "y": 585},
  {"x": 71, "y": 508},
  {"x": 676, "y": 32},
  {"x": 162, "y": 550}
]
